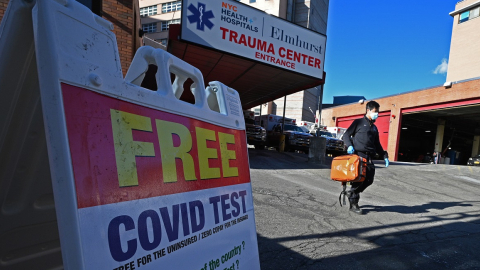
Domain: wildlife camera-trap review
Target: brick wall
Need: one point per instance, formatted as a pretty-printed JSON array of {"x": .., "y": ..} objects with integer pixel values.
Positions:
[
  {"x": 122, "y": 13},
  {"x": 3, "y": 7}
]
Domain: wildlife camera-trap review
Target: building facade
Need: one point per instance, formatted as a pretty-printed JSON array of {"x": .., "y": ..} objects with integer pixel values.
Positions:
[
  {"x": 443, "y": 119},
  {"x": 464, "y": 59},
  {"x": 156, "y": 17}
]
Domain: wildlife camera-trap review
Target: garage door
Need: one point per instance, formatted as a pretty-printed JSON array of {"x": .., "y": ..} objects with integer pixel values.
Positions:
[{"x": 382, "y": 123}]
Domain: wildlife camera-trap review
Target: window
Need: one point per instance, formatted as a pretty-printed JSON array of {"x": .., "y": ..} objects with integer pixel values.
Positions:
[
  {"x": 162, "y": 41},
  {"x": 167, "y": 23},
  {"x": 253, "y": 1},
  {"x": 171, "y": 6},
  {"x": 474, "y": 13},
  {"x": 149, "y": 27},
  {"x": 148, "y": 11},
  {"x": 469, "y": 14},
  {"x": 464, "y": 16}
]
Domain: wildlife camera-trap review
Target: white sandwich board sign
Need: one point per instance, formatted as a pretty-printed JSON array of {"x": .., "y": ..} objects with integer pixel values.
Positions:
[{"x": 140, "y": 178}]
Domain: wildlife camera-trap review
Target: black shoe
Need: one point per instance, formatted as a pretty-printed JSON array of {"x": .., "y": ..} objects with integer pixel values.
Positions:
[{"x": 355, "y": 208}]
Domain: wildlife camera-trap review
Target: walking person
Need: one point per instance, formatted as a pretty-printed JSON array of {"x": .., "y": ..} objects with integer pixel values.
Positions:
[{"x": 362, "y": 139}]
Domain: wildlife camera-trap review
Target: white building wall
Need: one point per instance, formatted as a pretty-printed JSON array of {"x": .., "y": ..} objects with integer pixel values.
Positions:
[
  {"x": 159, "y": 36},
  {"x": 274, "y": 7},
  {"x": 464, "y": 59}
]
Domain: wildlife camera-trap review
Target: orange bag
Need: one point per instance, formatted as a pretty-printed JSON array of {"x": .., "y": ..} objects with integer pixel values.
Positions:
[{"x": 349, "y": 168}]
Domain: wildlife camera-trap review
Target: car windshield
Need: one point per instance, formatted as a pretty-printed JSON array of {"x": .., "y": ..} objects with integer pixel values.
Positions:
[
  {"x": 325, "y": 134},
  {"x": 304, "y": 129},
  {"x": 293, "y": 128}
]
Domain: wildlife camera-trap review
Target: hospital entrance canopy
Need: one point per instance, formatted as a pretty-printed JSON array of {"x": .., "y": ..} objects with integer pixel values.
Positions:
[{"x": 261, "y": 56}]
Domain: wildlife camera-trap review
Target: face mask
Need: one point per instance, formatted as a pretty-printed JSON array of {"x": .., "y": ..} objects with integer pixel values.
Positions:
[{"x": 374, "y": 115}]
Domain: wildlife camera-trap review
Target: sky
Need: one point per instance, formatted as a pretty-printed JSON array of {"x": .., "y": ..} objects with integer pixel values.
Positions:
[{"x": 379, "y": 48}]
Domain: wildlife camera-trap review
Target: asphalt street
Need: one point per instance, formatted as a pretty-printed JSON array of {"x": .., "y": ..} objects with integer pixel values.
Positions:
[{"x": 417, "y": 216}]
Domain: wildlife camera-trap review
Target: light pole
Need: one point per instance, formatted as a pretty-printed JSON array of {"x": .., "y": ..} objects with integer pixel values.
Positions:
[
  {"x": 320, "y": 101},
  {"x": 314, "y": 116}
]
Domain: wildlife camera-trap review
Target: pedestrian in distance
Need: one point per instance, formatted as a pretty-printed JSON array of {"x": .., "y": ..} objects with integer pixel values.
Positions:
[{"x": 362, "y": 138}]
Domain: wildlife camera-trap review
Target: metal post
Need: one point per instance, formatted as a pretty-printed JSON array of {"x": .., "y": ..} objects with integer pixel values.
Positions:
[
  {"x": 320, "y": 101},
  {"x": 281, "y": 146},
  {"x": 284, "y": 107}
]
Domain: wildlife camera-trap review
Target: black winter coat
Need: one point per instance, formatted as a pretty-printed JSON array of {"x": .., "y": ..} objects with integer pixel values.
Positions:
[{"x": 363, "y": 136}]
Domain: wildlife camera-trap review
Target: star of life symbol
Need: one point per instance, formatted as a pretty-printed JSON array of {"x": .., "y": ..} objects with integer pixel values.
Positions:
[{"x": 200, "y": 16}]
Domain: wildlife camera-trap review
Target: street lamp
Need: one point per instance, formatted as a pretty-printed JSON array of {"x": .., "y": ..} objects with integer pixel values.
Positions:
[
  {"x": 314, "y": 116},
  {"x": 319, "y": 104}
]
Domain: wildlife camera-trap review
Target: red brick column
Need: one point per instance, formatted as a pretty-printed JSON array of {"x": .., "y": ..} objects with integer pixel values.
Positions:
[
  {"x": 126, "y": 21},
  {"x": 3, "y": 8}
]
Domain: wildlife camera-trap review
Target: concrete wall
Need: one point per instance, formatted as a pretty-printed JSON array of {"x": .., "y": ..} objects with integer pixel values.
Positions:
[
  {"x": 312, "y": 14},
  {"x": 298, "y": 105},
  {"x": 294, "y": 106},
  {"x": 464, "y": 59},
  {"x": 310, "y": 100},
  {"x": 437, "y": 95}
]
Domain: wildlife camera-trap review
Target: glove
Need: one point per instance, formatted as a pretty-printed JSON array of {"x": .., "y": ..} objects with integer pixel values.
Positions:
[
  {"x": 387, "y": 162},
  {"x": 350, "y": 150}
]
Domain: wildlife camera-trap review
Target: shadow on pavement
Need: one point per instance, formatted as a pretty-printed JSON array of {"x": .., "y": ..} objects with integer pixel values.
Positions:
[
  {"x": 453, "y": 244},
  {"x": 418, "y": 209},
  {"x": 274, "y": 160},
  {"x": 404, "y": 164}
]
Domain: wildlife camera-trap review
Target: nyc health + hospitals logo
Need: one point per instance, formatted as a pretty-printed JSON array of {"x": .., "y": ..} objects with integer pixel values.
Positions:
[{"x": 200, "y": 16}]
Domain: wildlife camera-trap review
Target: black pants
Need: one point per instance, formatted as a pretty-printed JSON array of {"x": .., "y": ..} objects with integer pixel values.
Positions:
[{"x": 358, "y": 187}]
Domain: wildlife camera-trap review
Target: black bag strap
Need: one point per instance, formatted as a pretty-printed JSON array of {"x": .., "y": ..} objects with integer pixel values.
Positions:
[{"x": 344, "y": 193}]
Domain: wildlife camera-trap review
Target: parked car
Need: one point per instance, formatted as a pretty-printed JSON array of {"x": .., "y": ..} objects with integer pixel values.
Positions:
[
  {"x": 474, "y": 161},
  {"x": 334, "y": 146},
  {"x": 256, "y": 135},
  {"x": 295, "y": 138}
]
